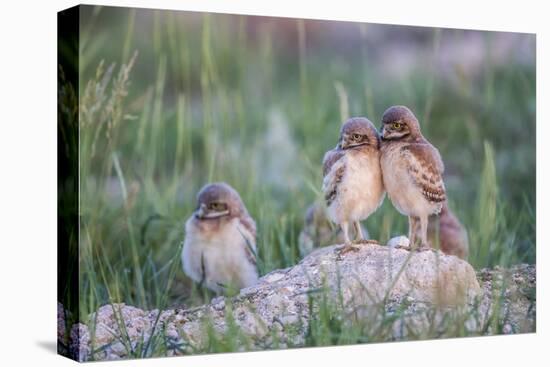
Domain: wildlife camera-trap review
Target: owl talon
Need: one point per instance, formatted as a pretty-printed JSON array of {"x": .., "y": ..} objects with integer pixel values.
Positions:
[
  {"x": 366, "y": 242},
  {"x": 402, "y": 247},
  {"x": 348, "y": 247},
  {"x": 423, "y": 248}
]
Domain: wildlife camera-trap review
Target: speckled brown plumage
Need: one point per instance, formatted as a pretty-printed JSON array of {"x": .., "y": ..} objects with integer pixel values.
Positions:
[
  {"x": 352, "y": 180},
  {"x": 412, "y": 169},
  {"x": 332, "y": 157},
  {"x": 428, "y": 177}
]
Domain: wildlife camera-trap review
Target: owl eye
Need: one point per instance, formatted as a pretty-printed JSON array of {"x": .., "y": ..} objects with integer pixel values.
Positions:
[
  {"x": 356, "y": 136},
  {"x": 218, "y": 207},
  {"x": 396, "y": 125}
]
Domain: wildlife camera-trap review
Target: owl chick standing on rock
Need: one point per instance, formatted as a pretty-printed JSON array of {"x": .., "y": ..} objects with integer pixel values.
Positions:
[
  {"x": 412, "y": 170},
  {"x": 220, "y": 241},
  {"x": 352, "y": 183}
]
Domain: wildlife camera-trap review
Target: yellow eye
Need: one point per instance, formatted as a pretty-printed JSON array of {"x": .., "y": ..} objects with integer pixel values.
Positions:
[
  {"x": 356, "y": 137},
  {"x": 217, "y": 207},
  {"x": 396, "y": 125}
]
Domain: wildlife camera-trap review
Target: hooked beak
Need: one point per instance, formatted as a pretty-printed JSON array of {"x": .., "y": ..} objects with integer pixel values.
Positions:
[
  {"x": 383, "y": 131},
  {"x": 201, "y": 212},
  {"x": 354, "y": 145}
]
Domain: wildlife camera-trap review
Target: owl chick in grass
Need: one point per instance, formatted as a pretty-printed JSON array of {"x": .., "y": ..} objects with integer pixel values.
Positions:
[
  {"x": 412, "y": 170},
  {"x": 352, "y": 183},
  {"x": 219, "y": 249},
  {"x": 447, "y": 233},
  {"x": 318, "y": 231}
]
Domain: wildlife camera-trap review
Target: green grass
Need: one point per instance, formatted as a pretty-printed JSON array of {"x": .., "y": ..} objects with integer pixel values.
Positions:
[{"x": 179, "y": 100}]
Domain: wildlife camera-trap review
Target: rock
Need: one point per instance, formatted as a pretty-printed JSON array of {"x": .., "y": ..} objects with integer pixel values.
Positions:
[
  {"x": 399, "y": 242},
  {"x": 512, "y": 294},
  {"x": 370, "y": 285},
  {"x": 61, "y": 327},
  {"x": 80, "y": 344}
]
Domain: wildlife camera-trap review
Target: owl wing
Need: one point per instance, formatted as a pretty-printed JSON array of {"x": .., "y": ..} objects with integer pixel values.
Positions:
[
  {"x": 249, "y": 235},
  {"x": 333, "y": 171},
  {"x": 331, "y": 157},
  {"x": 425, "y": 168}
]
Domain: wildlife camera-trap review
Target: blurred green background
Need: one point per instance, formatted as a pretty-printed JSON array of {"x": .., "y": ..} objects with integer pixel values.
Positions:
[{"x": 171, "y": 100}]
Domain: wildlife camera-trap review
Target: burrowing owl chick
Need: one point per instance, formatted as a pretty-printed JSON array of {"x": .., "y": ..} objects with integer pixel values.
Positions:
[
  {"x": 412, "y": 170},
  {"x": 352, "y": 182},
  {"x": 446, "y": 230},
  {"x": 318, "y": 231},
  {"x": 220, "y": 241}
]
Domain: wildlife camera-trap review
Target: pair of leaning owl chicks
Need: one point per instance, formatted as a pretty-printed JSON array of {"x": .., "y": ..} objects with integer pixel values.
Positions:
[
  {"x": 400, "y": 161},
  {"x": 220, "y": 244}
]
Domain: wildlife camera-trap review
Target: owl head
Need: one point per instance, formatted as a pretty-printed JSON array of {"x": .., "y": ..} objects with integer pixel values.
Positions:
[
  {"x": 399, "y": 123},
  {"x": 218, "y": 200},
  {"x": 357, "y": 132}
]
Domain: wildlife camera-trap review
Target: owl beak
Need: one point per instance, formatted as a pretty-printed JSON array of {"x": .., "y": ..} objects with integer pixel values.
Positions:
[
  {"x": 201, "y": 212},
  {"x": 383, "y": 131},
  {"x": 212, "y": 215}
]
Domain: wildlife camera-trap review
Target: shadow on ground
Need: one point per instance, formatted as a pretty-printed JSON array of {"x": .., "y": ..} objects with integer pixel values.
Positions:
[{"x": 48, "y": 345}]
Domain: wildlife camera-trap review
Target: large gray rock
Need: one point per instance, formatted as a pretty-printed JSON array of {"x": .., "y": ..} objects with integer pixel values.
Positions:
[{"x": 370, "y": 284}]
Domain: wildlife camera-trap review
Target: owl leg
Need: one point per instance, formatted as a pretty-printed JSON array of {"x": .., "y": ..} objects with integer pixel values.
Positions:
[
  {"x": 345, "y": 230},
  {"x": 360, "y": 236},
  {"x": 435, "y": 238},
  {"x": 423, "y": 234},
  {"x": 358, "y": 231},
  {"x": 348, "y": 245},
  {"x": 412, "y": 231}
]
